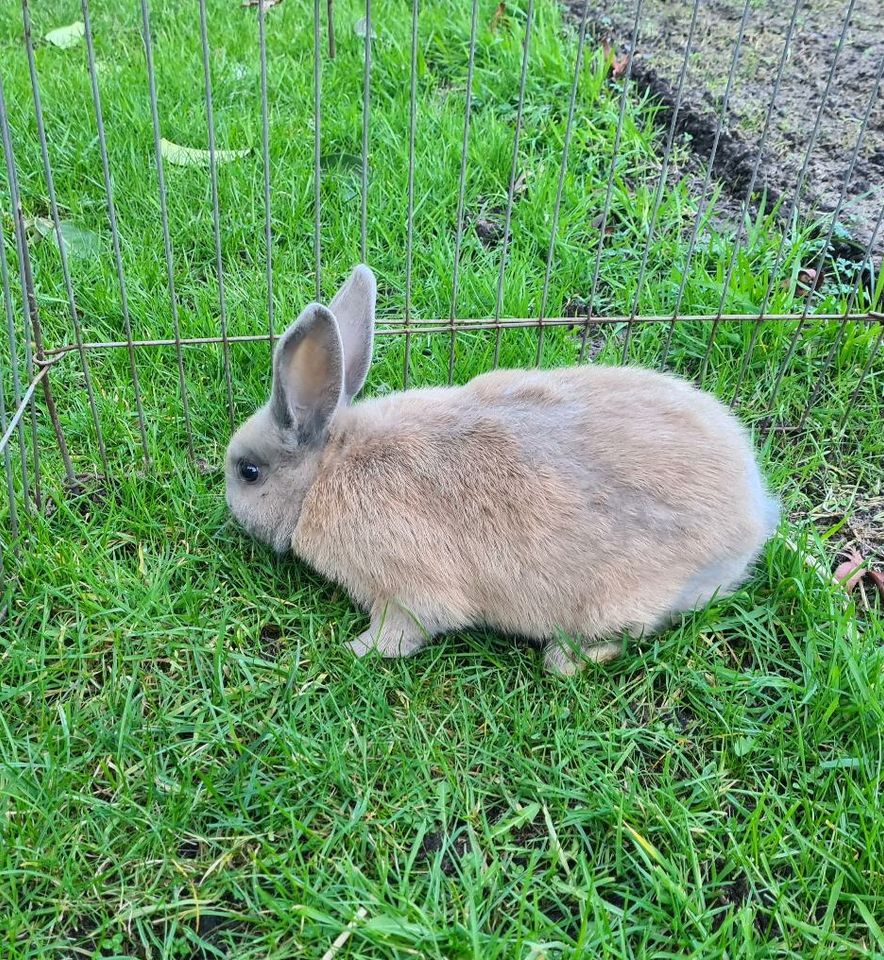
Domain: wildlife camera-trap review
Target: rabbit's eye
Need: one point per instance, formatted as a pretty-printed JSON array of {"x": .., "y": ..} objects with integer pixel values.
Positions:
[{"x": 248, "y": 471}]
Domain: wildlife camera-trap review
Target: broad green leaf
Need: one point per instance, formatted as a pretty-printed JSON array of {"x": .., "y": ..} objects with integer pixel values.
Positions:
[
  {"x": 78, "y": 241},
  {"x": 359, "y": 29},
  {"x": 68, "y": 36},
  {"x": 192, "y": 157}
]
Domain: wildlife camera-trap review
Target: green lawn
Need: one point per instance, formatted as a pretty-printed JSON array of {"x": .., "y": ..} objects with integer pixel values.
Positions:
[{"x": 191, "y": 764}]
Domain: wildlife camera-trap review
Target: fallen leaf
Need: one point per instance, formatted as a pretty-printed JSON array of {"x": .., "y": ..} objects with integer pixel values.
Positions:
[
  {"x": 267, "y": 4},
  {"x": 521, "y": 184},
  {"x": 806, "y": 281},
  {"x": 619, "y": 65},
  {"x": 192, "y": 157},
  {"x": 359, "y": 29},
  {"x": 609, "y": 224},
  {"x": 607, "y": 51},
  {"x": 68, "y": 36},
  {"x": 806, "y": 275},
  {"x": 878, "y": 579},
  {"x": 78, "y": 241},
  {"x": 849, "y": 572},
  {"x": 497, "y": 17}
]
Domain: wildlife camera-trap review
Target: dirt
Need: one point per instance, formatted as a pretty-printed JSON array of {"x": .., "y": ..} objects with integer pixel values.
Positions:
[
  {"x": 657, "y": 61},
  {"x": 271, "y": 641}
]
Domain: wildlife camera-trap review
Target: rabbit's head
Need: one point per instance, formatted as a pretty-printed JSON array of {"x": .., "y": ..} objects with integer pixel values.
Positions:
[{"x": 319, "y": 364}]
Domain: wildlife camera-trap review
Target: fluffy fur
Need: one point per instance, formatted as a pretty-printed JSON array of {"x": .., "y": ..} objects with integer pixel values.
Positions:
[{"x": 566, "y": 506}]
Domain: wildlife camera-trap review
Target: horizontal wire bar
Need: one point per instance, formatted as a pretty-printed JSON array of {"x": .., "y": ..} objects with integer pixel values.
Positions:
[{"x": 468, "y": 326}]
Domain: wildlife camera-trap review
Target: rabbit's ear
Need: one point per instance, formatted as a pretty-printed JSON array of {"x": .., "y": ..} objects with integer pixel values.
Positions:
[
  {"x": 353, "y": 307},
  {"x": 308, "y": 374}
]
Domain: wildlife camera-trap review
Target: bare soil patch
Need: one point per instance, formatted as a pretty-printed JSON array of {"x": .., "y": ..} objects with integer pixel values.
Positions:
[{"x": 657, "y": 62}]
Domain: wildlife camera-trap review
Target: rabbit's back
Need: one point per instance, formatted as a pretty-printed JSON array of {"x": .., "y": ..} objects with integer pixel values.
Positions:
[{"x": 586, "y": 500}]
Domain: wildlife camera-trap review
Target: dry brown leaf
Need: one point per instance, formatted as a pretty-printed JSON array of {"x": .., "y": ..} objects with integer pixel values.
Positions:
[
  {"x": 609, "y": 223},
  {"x": 497, "y": 17},
  {"x": 849, "y": 572},
  {"x": 521, "y": 184},
  {"x": 807, "y": 276},
  {"x": 619, "y": 65},
  {"x": 806, "y": 281},
  {"x": 878, "y": 579}
]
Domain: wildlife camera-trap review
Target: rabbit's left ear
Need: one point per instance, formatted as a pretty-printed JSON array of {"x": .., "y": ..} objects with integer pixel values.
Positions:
[
  {"x": 353, "y": 308},
  {"x": 308, "y": 375}
]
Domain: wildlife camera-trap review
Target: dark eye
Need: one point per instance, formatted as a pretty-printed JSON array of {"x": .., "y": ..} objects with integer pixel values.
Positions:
[{"x": 248, "y": 471}]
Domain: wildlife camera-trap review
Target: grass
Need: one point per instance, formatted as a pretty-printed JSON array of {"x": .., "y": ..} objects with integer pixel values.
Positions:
[{"x": 192, "y": 766}]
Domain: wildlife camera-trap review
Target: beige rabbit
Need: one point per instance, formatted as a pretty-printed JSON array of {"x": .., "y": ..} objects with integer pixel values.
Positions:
[{"x": 566, "y": 506}]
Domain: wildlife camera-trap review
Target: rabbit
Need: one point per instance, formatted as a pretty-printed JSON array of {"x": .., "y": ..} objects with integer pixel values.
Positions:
[{"x": 571, "y": 507}]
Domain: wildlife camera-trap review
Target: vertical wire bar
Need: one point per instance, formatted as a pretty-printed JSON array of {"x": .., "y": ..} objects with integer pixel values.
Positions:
[
  {"x": 462, "y": 187},
  {"x": 164, "y": 221},
  {"x": 7, "y": 465},
  {"x": 747, "y": 200},
  {"x": 330, "y": 11},
  {"x": 707, "y": 179},
  {"x": 862, "y": 379},
  {"x": 265, "y": 154},
  {"x": 317, "y": 119},
  {"x": 31, "y": 312},
  {"x": 115, "y": 233},
  {"x": 409, "y": 216},
  {"x": 26, "y": 284},
  {"x": 16, "y": 387},
  {"x": 216, "y": 212},
  {"x": 560, "y": 184},
  {"x": 12, "y": 340},
  {"x": 62, "y": 246},
  {"x": 514, "y": 170},
  {"x": 842, "y": 326},
  {"x": 661, "y": 184},
  {"x": 839, "y": 206},
  {"x": 793, "y": 205},
  {"x": 609, "y": 189},
  {"x": 366, "y": 94}
]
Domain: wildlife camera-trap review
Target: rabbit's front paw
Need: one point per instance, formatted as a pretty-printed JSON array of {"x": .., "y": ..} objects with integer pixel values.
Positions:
[
  {"x": 393, "y": 633},
  {"x": 566, "y": 660},
  {"x": 387, "y": 644}
]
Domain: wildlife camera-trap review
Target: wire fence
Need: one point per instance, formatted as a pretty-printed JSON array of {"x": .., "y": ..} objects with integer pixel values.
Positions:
[{"x": 34, "y": 393}]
